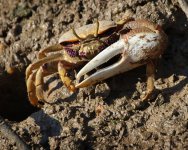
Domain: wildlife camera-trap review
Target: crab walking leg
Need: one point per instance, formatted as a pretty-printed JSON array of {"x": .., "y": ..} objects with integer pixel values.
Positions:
[
  {"x": 150, "y": 73},
  {"x": 35, "y": 86},
  {"x": 42, "y": 53},
  {"x": 31, "y": 89},
  {"x": 36, "y": 65},
  {"x": 39, "y": 79},
  {"x": 65, "y": 79},
  {"x": 140, "y": 23}
]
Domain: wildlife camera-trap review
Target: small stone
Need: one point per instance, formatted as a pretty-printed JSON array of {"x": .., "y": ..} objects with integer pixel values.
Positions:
[
  {"x": 10, "y": 70},
  {"x": 102, "y": 90},
  {"x": 173, "y": 78},
  {"x": 135, "y": 95},
  {"x": 2, "y": 48},
  {"x": 22, "y": 11}
]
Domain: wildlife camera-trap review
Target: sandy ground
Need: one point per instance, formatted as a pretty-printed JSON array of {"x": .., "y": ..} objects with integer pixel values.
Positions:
[{"x": 70, "y": 121}]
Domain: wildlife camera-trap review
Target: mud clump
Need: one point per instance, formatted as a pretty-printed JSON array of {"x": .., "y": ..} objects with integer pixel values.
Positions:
[{"x": 101, "y": 116}]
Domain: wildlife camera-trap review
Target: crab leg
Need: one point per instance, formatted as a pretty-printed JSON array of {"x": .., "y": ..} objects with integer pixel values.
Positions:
[
  {"x": 43, "y": 71},
  {"x": 36, "y": 65},
  {"x": 150, "y": 73},
  {"x": 42, "y": 53},
  {"x": 141, "y": 23},
  {"x": 65, "y": 79},
  {"x": 35, "y": 85},
  {"x": 39, "y": 84},
  {"x": 34, "y": 78},
  {"x": 31, "y": 89}
]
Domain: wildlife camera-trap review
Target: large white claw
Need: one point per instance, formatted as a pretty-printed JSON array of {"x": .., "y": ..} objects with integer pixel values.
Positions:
[
  {"x": 121, "y": 66},
  {"x": 134, "y": 51}
]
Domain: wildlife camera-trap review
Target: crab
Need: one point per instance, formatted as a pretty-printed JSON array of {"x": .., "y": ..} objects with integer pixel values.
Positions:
[
  {"x": 75, "y": 48},
  {"x": 141, "y": 43}
]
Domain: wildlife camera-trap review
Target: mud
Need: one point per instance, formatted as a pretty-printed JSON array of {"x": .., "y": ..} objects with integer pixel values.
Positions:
[{"x": 101, "y": 116}]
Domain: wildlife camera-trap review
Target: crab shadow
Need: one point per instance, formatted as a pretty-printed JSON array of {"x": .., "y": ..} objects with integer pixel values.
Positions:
[{"x": 58, "y": 85}]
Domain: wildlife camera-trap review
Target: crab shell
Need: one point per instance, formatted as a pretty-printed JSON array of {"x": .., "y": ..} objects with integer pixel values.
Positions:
[{"x": 86, "y": 31}]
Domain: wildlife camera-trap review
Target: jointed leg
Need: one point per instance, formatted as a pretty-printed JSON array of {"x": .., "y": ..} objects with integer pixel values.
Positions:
[
  {"x": 43, "y": 71},
  {"x": 32, "y": 75},
  {"x": 31, "y": 89},
  {"x": 39, "y": 81},
  {"x": 65, "y": 79},
  {"x": 54, "y": 48},
  {"x": 150, "y": 72},
  {"x": 36, "y": 65}
]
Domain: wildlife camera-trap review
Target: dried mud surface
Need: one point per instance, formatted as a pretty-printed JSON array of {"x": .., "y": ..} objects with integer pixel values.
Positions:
[{"x": 101, "y": 116}]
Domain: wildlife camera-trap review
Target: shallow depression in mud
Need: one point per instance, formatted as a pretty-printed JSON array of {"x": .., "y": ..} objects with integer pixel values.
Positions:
[{"x": 14, "y": 104}]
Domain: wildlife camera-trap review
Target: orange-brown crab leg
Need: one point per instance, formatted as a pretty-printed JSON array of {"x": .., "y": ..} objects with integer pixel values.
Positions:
[
  {"x": 42, "y": 53},
  {"x": 37, "y": 64},
  {"x": 39, "y": 84},
  {"x": 35, "y": 85},
  {"x": 36, "y": 77},
  {"x": 31, "y": 89},
  {"x": 65, "y": 79},
  {"x": 43, "y": 71},
  {"x": 150, "y": 73},
  {"x": 35, "y": 91}
]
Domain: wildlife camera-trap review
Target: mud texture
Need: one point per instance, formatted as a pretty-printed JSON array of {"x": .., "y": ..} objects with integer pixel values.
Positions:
[{"x": 102, "y": 116}]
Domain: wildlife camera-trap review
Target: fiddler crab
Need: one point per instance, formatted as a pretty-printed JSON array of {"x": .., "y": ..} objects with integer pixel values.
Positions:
[{"x": 138, "y": 42}]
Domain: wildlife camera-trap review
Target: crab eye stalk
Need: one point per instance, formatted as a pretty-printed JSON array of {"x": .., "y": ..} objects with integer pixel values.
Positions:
[
  {"x": 76, "y": 35},
  {"x": 97, "y": 28}
]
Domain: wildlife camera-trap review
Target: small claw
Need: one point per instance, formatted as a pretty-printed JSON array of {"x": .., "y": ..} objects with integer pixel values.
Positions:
[{"x": 146, "y": 97}]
